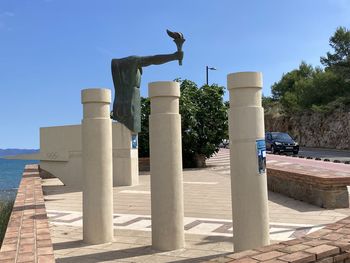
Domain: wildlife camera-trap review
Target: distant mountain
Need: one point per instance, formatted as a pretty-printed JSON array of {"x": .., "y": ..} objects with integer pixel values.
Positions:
[{"x": 9, "y": 152}]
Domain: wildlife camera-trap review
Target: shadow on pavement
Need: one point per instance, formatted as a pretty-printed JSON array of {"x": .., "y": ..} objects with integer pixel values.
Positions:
[
  {"x": 292, "y": 203},
  {"x": 126, "y": 254}
]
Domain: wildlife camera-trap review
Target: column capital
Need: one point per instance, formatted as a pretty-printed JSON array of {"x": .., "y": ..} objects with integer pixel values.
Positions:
[
  {"x": 164, "y": 89},
  {"x": 96, "y": 95},
  {"x": 244, "y": 80}
]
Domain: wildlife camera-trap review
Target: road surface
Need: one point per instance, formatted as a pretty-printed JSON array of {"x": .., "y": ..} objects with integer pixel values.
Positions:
[{"x": 330, "y": 154}]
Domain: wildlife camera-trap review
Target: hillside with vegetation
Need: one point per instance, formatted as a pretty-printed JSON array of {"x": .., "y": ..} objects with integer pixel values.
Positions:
[{"x": 313, "y": 103}]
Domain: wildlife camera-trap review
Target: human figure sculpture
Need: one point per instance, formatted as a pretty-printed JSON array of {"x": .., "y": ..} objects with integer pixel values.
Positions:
[{"x": 126, "y": 73}]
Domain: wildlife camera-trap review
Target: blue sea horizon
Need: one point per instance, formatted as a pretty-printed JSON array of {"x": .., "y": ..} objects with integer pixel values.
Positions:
[{"x": 10, "y": 176}]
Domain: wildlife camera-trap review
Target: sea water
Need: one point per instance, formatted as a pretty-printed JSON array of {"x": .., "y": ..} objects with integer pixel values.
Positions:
[{"x": 10, "y": 176}]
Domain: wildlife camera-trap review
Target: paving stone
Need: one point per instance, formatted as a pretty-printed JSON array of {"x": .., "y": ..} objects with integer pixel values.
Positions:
[
  {"x": 243, "y": 254},
  {"x": 320, "y": 233},
  {"x": 9, "y": 247},
  {"x": 44, "y": 243},
  {"x": 341, "y": 257},
  {"x": 26, "y": 257},
  {"x": 274, "y": 261},
  {"x": 323, "y": 251},
  {"x": 299, "y": 257},
  {"x": 24, "y": 241},
  {"x": 342, "y": 245},
  {"x": 268, "y": 255},
  {"x": 45, "y": 250},
  {"x": 334, "y": 226},
  {"x": 294, "y": 248},
  {"x": 333, "y": 236},
  {"x": 292, "y": 242},
  {"x": 326, "y": 260},
  {"x": 244, "y": 260},
  {"x": 271, "y": 247},
  {"x": 343, "y": 231},
  {"x": 7, "y": 260},
  {"x": 316, "y": 242},
  {"x": 7, "y": 255},
  {"x": 10, "y": 240},
  {"x": 26, "y": 248},
  {"x": 221, "y": 260},
  {"x": 46, "y": 259}
]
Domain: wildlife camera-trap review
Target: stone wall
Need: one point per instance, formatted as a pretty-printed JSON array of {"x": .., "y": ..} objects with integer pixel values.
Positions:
[
  {"x": 315, "y": 129},
  {"x": 317, "y": 188}
]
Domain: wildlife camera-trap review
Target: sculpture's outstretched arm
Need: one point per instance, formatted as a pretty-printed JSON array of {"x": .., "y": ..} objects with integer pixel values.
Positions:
[{"x": 160, "y": 59}]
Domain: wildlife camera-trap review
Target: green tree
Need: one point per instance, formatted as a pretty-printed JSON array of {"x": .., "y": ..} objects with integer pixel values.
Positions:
[
  {"x": 339, "y": 60},
  {"x": 309, "y": 88},
  {"x": 290, "y": 89},
  {"x": 204, "y": 122},
  {"x": 323, "y": 88}
]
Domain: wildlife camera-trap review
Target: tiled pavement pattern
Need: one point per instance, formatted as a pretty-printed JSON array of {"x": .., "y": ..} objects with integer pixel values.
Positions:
[
  {"x": 27, "y": 237},
  {"x": 199, "y": 226},
  {"x": 207, "y": 198}
]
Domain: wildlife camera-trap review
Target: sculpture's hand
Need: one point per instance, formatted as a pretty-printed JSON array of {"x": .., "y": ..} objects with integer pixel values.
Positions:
[{"x": 179, "y": 55}]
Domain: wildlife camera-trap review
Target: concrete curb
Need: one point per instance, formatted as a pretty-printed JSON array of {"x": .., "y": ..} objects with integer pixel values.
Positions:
[{"x": 316, "y": 158}]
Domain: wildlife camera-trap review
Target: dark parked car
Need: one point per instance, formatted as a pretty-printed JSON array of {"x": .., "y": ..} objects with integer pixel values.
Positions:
[{"x": 278, "y": 142}]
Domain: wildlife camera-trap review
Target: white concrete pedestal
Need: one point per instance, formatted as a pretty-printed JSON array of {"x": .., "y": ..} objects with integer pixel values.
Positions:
[
  {"x": 166, "y": 166},
  {"x": 97, "y": 167},
  {"x": 248, "y": 183}
]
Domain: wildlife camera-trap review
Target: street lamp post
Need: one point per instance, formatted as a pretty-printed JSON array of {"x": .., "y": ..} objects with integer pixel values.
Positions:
[{"x": 206, "y": 70}]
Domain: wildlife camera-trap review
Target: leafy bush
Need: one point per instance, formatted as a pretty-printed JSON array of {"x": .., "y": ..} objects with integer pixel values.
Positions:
[
  {"x": 204, "y": 122},
  {"x": 5, "y": 212}
]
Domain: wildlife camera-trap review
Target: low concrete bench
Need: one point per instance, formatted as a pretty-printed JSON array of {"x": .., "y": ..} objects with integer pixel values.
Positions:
[{"x": 323, "y": 189}]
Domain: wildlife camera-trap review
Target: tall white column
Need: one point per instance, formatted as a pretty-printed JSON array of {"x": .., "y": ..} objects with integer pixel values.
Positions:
[
  {"x": 97, "y": 166},
  {"x": 247, "y": 156},
  {"x": 166, "y": 166}
]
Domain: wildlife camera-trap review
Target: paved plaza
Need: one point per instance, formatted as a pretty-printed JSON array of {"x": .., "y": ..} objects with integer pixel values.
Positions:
[{"x": 208, "y": 226}]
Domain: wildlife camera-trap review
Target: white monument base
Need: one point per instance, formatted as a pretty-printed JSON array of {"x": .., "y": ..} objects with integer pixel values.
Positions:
[{"x": 60, "y": 154}]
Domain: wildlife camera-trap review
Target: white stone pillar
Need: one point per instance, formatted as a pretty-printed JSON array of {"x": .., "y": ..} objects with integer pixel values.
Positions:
[
  {"x": 248, "y": 176},
  {"x": 166, "y": 166},
  {"x": 97, "y": 167},
  {"x": 125, "y": 157}
]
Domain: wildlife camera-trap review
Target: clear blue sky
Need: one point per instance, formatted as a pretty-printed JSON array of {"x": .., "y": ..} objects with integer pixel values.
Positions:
[{"x": 52, "y": 49}]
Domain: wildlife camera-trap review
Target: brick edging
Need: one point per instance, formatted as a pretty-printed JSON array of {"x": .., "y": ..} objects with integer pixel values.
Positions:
[
  {"x": 328, "y": 245},
  {"x": 27, "y": 237}
]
